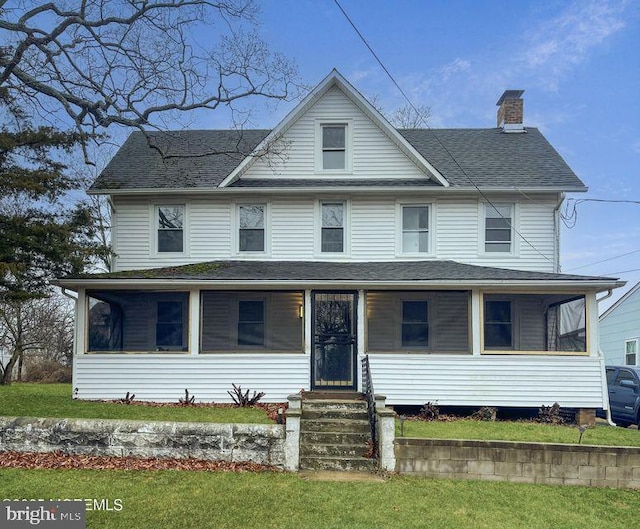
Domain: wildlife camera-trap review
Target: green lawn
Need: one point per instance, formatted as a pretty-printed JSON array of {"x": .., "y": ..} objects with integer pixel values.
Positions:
[
  {"x": 201, "y": 500},
  {"x": 54, "y": 400},
  {"x": 519, "y": 431}
]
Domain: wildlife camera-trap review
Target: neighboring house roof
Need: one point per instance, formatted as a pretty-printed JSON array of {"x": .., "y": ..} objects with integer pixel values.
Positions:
[
  {"x": 361, "y": 272},
  {"x": 613, "y": 308},
  {"x": 489, "y": 157}
]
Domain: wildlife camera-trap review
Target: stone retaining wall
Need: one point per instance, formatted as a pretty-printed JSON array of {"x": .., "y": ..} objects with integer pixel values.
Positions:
[
  {"x": 258, "y": 443},
  {"x": 555, "y": 464}
]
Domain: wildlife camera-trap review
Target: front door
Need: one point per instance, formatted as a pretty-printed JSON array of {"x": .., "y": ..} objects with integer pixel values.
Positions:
[{"x": 333, "y": 365}]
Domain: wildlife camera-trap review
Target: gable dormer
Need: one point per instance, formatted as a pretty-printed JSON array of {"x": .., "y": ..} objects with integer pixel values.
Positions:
[{"x": 335, "y": 133}]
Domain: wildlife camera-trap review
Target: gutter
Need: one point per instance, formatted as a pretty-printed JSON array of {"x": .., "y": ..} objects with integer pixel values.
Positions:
[{"x": 604, "y": 373}]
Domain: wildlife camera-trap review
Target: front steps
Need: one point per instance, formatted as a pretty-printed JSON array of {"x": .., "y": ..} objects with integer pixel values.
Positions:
[{"x": 335, "y": 433}]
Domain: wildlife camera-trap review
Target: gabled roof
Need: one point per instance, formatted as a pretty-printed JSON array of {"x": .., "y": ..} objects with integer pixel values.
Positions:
[
  {"x": 613, "y": 308},
  {"x": 459, "y": 158}
]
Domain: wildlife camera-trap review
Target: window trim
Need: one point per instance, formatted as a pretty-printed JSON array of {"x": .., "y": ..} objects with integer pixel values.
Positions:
[
  {"x": 482, "y": 230},
  {"x": 155, "y": 228},
  {"x": 637, "y": 344},
  {"x": 235, "y": 226},
  {"x": 346, "y": 226},
  {"x": 347, "y": 123},
  {"x": 400, "y": 205}
]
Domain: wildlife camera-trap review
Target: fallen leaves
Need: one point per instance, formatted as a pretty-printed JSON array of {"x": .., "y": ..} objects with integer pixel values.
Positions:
[{"x": 59, "y": 460}]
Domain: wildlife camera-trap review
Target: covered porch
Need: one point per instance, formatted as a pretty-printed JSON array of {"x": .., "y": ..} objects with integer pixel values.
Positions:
[{"x": 458, "y": 339}]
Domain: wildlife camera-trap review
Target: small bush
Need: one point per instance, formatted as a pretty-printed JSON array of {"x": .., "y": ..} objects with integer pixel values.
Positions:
[
  {"x": 242, "y": 399},
  {"x": 430, "y": 411},
  {"x": 188, "y": 400},
  {"x": 486, "y": 413},
  {"x": 48, "y": 372},
  {"x": 550, "y": 414}
]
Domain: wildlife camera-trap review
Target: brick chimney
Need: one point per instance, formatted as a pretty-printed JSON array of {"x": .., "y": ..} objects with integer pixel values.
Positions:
[{"x": 510, "y": 111}]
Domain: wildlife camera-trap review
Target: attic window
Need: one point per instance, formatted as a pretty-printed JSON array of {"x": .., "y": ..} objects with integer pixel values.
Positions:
[{"x": 333, "y": 147}]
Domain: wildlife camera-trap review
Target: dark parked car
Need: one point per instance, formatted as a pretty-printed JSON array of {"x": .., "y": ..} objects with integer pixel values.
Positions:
[{"x": 624, "y": 394}]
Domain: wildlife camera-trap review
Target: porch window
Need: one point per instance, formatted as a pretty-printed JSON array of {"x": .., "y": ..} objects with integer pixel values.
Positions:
[
  {"x": 415, "y": 324},
  {"x": 246, "y": 321},
  {"x": 251, "y": 323},
  {"x": 251, "y": 221},
  {"x": 498, "y": 222},
  {"x": 498, "y": 327},
  {"x": 169, "y": 331},
  {"x": 415, "y": 229},
  {"x": 137, "y": 321},
  {"x": 332, "y": 237},
  {"x": 531, "y": 323},
  {"x": 631, "y": 352},
  {"x": 421, "y": 321},
  {"x": 170, "y": 226}
]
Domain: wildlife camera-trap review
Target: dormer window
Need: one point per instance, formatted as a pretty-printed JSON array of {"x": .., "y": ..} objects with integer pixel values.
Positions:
[{"x": 333, "y": 147}]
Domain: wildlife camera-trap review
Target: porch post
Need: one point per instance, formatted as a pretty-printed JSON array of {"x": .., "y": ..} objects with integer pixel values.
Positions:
[
  {"x": 593, "y": 340},
  {"x": 360, "y": 330},
  {"x": 194, "y": 321},
  {"x": 307, "y": 322},
  {"x": 81, "y": 323},
  {"x": 476, "y": 321}
]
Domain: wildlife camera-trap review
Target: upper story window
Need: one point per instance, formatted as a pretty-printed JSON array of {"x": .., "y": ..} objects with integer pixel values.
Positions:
[
  {"x": 415, "y": 229},
  {"x": 631, "y": 352},
  {"x": 332, "y": 229},
  {"x": 498, "y": 222},
  {"x": 251, "y": 223},
  {"x": 170, "y": 227},
  {"x": 498, "y": 324},
  {"x": 334, "y": 147}
]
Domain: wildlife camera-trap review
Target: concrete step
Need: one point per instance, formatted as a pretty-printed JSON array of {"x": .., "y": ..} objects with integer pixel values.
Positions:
[
  {"x": 332, "y": 404},
  {"x": 335, "y": 394},
  {"x": 335, "y": 451},
  {"x": 333, "y": 438},
  {"x": 344, "y": 464},
  {"x": 360, "y": 415},
  {"x": 335, "y": 425}
]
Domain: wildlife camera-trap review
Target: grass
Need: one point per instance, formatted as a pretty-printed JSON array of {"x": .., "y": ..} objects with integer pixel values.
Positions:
[
  {"x": 519, "y": 431},
  {"x": 201, "y": 500},
  {"x": 54, "y": 400}
]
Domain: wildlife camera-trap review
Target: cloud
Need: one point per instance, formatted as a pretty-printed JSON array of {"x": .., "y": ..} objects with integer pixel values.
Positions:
[{"x": 554, "y": 47}]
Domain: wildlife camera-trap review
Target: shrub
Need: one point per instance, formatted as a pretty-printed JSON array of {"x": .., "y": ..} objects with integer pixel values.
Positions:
[
  {"x": 430, "y": 411},
  {"x": 242, "y": 399},
  {"x": 486, "y": 413},
  {"x": 550, "y": 414},
  {"x": 48, "y": 372}
]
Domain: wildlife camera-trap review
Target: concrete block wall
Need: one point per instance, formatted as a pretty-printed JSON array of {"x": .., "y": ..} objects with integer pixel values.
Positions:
[
  {"x": 554, "y": 464},
  {"x": 258, "y": 443}
]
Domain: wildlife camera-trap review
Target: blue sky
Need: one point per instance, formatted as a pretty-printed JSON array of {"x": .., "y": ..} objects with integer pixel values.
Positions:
[{"x": 578, "y": 62}]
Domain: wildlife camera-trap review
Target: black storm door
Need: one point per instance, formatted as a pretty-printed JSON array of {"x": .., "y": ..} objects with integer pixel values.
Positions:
[{"x": 334, "y": 340}]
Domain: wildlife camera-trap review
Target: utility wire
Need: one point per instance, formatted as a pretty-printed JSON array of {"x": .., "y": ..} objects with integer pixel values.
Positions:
[
  {"x": 603, "y": 261},
  {"x": 423, "y": 120}
]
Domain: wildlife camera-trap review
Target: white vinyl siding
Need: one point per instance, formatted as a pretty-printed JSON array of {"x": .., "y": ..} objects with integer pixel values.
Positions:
[
  {"x": 374, "y": 154},
  {"x": 372, "y": 231},
  {"x": 163, "y": 377},
  {"x": 464, "y": 380}
]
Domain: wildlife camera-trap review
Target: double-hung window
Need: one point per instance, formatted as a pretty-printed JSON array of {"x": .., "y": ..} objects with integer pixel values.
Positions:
[
  {"x": 415, "y": 229},
  {"x": 169, "y": 324},
  {"x": 415, "y": 323},
  {"x": 332, "y": 229},
  {"x": 170, "y": 227},
  {"x": 251, "y": 323},
  {"x": 251, "y": 222},
  {"x": 498, "y": 324},
  {"x": 334, "y": 147},
  {"x": 631, "y": 352},
  {"x": 498, "y": 228}
]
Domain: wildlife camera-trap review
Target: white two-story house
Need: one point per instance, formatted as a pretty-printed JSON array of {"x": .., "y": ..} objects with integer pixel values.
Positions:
[{"x": 277, "y": 259}]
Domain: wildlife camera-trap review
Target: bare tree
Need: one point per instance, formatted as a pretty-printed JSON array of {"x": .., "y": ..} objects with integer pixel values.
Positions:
[
  {"x": 135, "y": 63},
  {"x": 411, "y": 117}
]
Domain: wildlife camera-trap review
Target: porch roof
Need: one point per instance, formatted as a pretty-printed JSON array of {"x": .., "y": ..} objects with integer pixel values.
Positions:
[{"x": 299, "y": 273}]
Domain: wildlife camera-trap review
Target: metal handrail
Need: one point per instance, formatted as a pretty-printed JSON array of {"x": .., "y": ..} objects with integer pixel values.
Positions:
[{"x": 367, "y": 388}]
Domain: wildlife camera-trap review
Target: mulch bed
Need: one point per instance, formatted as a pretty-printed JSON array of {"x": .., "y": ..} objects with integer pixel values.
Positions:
[{"x": 58, "y": 460}]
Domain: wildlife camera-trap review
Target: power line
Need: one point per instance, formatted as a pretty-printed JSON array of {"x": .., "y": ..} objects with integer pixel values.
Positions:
[
  {"x": 622, "y": 272},
  {"x": 603, "y": 261},
  {"x": 424, "y": 121}
]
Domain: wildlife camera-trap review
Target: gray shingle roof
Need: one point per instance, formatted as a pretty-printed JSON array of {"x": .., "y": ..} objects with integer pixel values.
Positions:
[
  {"x": 489, "y": 157},
  {"x": 391, "y": 271}
]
